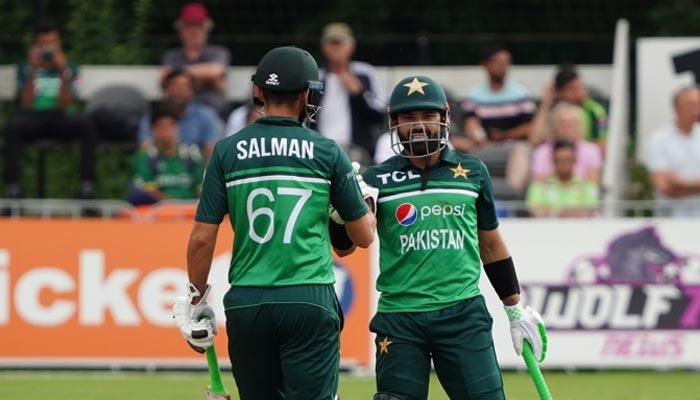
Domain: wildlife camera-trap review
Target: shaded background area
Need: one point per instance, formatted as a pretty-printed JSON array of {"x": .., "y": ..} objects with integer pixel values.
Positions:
[{"x": 392, "y": 32}]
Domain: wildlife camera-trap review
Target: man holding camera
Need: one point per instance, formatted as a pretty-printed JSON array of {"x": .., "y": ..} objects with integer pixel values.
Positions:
[{"x": 46, "y": 97}]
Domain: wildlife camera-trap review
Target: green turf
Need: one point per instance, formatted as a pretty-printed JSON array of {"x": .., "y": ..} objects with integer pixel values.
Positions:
[{"x": 188, "y": 386}]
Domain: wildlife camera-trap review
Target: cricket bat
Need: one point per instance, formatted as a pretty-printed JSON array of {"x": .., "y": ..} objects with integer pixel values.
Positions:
[
  {"x": 535, "y": 373},
  {"x": 216, "y": 389}
]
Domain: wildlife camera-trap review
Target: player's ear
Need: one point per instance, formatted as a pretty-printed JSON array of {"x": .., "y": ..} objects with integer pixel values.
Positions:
[{"x": 258, "y": 96}]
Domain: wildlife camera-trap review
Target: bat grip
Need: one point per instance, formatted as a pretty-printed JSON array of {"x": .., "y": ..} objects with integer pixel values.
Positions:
[
  {"x": 535, "y": 373},
  {"x": 215, "y": 381}
]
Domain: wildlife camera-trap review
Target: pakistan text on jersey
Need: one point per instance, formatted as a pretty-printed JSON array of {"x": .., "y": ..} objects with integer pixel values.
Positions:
[
  {"x": 432, "y": 239},
  {"x": 273, "y": 146}
]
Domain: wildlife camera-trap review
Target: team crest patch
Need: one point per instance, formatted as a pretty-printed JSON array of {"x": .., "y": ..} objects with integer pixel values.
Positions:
[{"x": 406, "y": 214}]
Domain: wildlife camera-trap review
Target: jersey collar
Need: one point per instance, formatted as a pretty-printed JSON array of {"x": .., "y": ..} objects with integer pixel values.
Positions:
[
  {"x": 275, "y": 120},
  {"x": 447, "y": 155}
]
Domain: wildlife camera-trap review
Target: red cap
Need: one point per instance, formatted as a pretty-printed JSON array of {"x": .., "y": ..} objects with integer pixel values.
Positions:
[{"x": 193, "y": 13}]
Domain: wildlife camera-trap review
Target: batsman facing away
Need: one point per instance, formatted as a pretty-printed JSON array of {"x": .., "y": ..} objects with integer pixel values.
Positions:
[
  {"x": 437, "y": 224},
  {"x": 276, "y": 180}
]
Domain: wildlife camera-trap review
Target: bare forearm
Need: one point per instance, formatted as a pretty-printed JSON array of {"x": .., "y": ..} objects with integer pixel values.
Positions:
[
  {"x": 26, "y": 96},
  {"x": 65, "y": 96},
  {"x": 511, "y": 300},
  {"x": 682, "y": 188},
  {"x": 207, "y": 71},
  {"x": 519, "y": 132},
  {"x": 199, "y": 256}
]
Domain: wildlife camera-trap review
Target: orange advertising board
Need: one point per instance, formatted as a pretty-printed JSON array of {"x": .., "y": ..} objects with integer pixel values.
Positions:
[{"x": 101, "y": 293}]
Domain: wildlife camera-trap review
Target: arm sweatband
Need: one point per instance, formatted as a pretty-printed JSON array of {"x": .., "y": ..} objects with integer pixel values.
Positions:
[
  {"x": 339, "y": 236},
  {"x": 502, "y": 276}
]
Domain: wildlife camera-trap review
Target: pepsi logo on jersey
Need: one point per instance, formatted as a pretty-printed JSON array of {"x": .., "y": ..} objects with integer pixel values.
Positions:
[{"x": 406, "y": 214}]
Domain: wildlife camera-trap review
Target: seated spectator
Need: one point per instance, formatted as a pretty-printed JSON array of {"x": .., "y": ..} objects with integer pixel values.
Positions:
[
  {"x": 566, "y": 124},
  {"x": 353, "y": 103},
  {"x": 569, "y": 87},
  {"x": 673, "y": 157},
  {"x": 563, "y": 194},
  {"x": 198, "y": 123},
  {"x": 168, "y": 169},
  {"x": 498, "y": 114},
  {"x": 498, "y": 110},
  {"x": 46, "y": 96},
  {"x": 241, "y": 117},
  {"x": 207, "y": 63}
]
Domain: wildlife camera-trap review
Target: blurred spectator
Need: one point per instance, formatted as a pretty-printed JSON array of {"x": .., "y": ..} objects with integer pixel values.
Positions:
[
  {"x": 673, "y": 156},
  {"x": 566, "y": 124},
  {"x": 498, "y": 110},
  {"x": 497, "y": 116},
  {"x": 168, "y": 169},
  {"x": 241, "y": 117},
  {"x": 198, "y": 123},
  {"x": 570, "y": 88},
  {"x": 353, "y": 102},
  {"x": 383, "y": 150},
  {"x": 206, "y": 62},
  {"x": 563, "y": 194},
  {"x": 46, "y": 96}
]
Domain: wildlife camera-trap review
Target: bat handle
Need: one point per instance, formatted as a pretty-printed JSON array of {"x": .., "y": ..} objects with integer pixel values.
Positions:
[
  {"x": 216, "y": 383},
  {"x": 535, "y": 373}
]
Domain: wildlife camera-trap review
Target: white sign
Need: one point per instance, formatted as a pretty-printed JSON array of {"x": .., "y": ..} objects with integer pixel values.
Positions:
[{"x": 615, "y": 293}]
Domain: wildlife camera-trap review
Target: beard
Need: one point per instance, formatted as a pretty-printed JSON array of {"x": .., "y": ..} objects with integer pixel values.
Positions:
[{"x": 419, "y": 144}]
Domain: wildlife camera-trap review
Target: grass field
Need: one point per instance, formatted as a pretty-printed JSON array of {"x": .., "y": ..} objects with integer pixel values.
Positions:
[{"x": 189, "y": 386}]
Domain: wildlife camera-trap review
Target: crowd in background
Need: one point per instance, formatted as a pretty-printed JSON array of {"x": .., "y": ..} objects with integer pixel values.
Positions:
[{"x": 547, "y": 151}]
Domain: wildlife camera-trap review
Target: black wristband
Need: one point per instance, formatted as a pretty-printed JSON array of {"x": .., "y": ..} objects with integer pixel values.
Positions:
[
  {"x": 339, "y": 236},
  {"x": 503, "y": 278}
]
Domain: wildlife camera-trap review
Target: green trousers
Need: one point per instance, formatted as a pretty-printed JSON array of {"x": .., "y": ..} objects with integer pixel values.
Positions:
[
  {"x": 458, "y": 341},
  {"x": 284, "y": 343}
]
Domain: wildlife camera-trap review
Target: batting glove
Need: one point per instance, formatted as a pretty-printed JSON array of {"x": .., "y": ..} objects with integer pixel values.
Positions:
[
  {"x": 368, "y": 191},
  {"x": 527, "y": 324},
  {"x": 196, "y": 322}
]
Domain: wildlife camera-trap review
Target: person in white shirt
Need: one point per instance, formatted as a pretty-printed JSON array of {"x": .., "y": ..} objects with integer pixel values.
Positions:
[
  {"x": 354, "y": 102},
  {"x": 673, "y": 157}
]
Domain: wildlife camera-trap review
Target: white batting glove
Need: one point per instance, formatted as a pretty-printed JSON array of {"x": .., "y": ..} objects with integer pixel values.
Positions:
[
  {"x": 196, "y": 322},
  {"x": 368, "y": 191},
  {"x": 527, "y": 324}
]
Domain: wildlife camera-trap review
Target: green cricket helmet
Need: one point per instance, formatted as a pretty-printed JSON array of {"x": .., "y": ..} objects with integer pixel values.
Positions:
[
  {"x": 290, "y": 69},
  {"x": 415, "y": 138}
]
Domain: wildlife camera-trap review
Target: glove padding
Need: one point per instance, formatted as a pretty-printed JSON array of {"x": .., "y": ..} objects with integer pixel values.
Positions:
[
  {"x": 527, "y": 324},
  {"x": 197, "y": 322},
  {"x": 367, "y": 191}
]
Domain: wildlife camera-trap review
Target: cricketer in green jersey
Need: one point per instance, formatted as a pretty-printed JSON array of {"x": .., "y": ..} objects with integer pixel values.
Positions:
[
  {"x": 437, "y": 224},
  {"x": 276, "y": 180}
]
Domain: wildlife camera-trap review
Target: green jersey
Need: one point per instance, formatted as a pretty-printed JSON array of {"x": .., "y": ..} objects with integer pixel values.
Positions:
[
  {"x": 47, "y": 86},
  {"x": 429, "y": 248},
  {"x": 554, "y": 194},
  {"x": 595, "y": 120},
  {"x": 276, "y": 179},
  {"x": 178, "y": 176}
]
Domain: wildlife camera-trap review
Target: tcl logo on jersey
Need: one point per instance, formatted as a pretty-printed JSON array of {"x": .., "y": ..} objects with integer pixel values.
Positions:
[{"x": 407, "y": 213}]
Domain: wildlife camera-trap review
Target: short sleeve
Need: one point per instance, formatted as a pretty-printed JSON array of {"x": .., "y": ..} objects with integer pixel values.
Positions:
[
  {"x": 211, "y": 127},
  {"x": 541, "y": 161},
  {"x": 655, "y": 158},
  {"x": 220, "y": 55},
  {"x": 143, "y": 176},
  {"x": 213, "y": 201},
  {"x": 21, "y": 78},
  {"x": 345, "y": 192},
  {"x": 485, "y": 208},
  {"x": 145, "y": 128}
]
